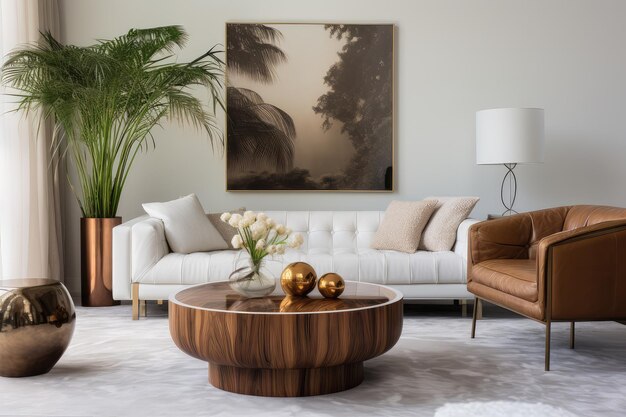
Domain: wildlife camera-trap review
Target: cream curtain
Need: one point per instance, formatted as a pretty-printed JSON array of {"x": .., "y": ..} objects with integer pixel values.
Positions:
[{"x": 30, "y": 211}]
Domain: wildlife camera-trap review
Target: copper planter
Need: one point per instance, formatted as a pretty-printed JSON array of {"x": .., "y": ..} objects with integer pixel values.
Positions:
[{"x": 96, "y": 256}]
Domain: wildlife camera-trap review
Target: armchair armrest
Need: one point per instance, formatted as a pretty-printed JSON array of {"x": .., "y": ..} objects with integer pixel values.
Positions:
[
  {"x": 580, "y": 233},
  {"x": 503, "y": 238},
  {"x": 583, "y": 272}
]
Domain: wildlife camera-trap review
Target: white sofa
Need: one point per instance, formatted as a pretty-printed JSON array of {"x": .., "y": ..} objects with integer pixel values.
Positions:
[{"x": 338, "y": 241}]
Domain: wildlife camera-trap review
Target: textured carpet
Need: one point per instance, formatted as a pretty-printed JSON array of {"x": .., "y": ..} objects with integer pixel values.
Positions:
[
  {"x": 501, "y": 408},
  {"x": 119, "y": 367}
]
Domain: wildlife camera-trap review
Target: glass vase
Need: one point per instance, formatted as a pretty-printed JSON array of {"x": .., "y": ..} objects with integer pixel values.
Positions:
[{"x": 251, "y": 279}]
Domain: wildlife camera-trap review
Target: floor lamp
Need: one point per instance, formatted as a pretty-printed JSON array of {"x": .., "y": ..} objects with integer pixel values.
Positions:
[{"x": 509, "y": 136}]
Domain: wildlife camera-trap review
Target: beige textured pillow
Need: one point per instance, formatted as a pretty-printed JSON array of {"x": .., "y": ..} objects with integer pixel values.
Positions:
[
  {"x": 187, "y": 229},
  {"x": 440, "y": 232},
  {"x": 225, "y": 230},
  {"x": 402, "y": 225}
]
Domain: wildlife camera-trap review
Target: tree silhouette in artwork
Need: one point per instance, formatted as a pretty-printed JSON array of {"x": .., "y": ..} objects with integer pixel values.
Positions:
[
  {"x": 260, "y": 135},
  {"x": 361, "y": 98}
]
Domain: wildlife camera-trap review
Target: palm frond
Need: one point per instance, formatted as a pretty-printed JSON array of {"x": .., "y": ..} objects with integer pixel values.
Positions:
[
  {"x": 253, "y": 33},
  {"x": 258, "y": 133},
  {"x": 252, "y": 51},
  {"x": 240, "y": 97}
]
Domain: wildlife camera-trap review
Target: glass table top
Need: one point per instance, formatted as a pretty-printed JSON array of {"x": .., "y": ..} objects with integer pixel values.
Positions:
[{"x": 219, "y": 296}]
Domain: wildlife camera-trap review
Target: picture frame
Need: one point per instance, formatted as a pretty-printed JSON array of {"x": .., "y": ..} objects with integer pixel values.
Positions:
[{"x": 310, "y": 107}]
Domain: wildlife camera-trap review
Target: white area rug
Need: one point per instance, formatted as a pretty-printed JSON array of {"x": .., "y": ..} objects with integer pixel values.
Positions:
[
  {"x": 500, "y": 409},
  {"x": 119, "y": 367}
]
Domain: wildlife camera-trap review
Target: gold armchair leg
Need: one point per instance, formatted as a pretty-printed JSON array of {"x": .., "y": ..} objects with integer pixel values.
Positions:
[
  {"x": 135, "y": 307},
  {"x": 572, "y": 334},
  {"x": 547, "y": 365},
  {"x": 475, "y": 315},
  {"x": 464, "y": 308}
]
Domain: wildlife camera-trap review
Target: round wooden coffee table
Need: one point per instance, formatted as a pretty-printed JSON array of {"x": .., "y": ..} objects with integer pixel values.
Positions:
[{"x": 283, "y": 346}]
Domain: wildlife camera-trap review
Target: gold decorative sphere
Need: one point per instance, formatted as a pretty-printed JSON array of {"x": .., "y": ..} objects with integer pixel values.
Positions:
[
  {"x": 298, "y": 279},
  {"x": 331, "y": 285}
]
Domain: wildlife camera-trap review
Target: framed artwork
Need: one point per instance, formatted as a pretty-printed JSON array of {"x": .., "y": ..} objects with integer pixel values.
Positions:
[{"x": 309, "y": 107}]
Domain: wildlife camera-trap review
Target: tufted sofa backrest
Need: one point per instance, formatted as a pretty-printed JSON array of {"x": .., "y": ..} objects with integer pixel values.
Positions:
[{"x": 335, "y": 230}]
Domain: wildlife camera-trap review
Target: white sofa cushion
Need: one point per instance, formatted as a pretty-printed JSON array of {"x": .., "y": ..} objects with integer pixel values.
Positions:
[
  {"x": 365, "y": 265},
  {"x": 187, "y": 228}
]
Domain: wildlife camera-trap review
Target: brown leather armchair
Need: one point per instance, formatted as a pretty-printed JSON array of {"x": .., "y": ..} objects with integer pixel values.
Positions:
[{"x": 558, "y": 264}]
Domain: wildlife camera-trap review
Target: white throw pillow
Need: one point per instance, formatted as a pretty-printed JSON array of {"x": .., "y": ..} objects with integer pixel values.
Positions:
[
  {"x": 402, "y": 225},
  {"x": 187, "y": 228},
  {"x": 440, "y": 232}
]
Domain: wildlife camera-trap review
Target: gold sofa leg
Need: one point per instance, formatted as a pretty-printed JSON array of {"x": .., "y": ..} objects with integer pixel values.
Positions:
[
  {"x": 477, "y": 306},
  {"x": 572, "y": 334},
  {"x": 160, "y": 302},
  {"x": 135, "y": 293},
  {"x": 464, "y": 307},
  {"x": 547, "y": 364},
  {"x": 143, "y": 308}
]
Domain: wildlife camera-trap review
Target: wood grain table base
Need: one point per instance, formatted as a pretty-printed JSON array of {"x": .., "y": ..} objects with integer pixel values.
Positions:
[
  {"x": 282, "y": 346},
  {"x": 286, "y": 382}
]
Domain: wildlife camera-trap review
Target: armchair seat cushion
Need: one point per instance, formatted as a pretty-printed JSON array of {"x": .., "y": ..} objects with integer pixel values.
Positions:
[{"x": 516, "y": 277}]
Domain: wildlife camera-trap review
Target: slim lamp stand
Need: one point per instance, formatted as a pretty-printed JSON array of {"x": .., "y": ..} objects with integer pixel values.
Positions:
[{"x": 512, "y": 190}]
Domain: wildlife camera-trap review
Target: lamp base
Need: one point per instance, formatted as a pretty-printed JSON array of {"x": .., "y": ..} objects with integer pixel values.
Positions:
[{"x": 512, "y": 190}]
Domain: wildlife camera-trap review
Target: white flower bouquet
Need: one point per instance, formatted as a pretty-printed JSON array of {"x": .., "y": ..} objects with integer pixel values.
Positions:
[{"x": 260, "y": 235}]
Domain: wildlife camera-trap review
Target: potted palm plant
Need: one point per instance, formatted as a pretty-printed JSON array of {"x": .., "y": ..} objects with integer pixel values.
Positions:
[{"x": 105, "y": 101}]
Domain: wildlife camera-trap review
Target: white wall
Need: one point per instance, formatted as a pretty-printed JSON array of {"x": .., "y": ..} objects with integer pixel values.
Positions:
[{"x": 452, "y": 59}]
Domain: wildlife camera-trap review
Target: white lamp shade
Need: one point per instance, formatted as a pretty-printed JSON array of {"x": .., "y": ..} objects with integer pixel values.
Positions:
[{"x": 509, "y": 136}]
